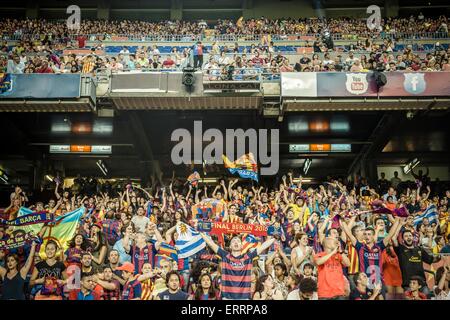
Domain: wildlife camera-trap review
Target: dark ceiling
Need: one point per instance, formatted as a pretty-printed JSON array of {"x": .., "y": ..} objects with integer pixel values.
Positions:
[{"x": 138, "y": 138}]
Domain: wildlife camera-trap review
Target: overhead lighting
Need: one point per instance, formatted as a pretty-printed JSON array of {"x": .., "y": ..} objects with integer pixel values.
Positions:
[
  {"x": 304, "y": 180},
  {"x": 306, "y": 166},
  {"x": 105, "y": 149},
  {"x": 411, "y": 165},
  {"x": 3, "y": 176},
  {"x": 102, "y": 166},
  {"x": 209, "y": 180},
  {"x": 327, "y": 147}
]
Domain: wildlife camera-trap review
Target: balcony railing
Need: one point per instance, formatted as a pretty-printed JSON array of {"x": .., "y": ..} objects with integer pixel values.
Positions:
[{"x": 170, "y": 38}]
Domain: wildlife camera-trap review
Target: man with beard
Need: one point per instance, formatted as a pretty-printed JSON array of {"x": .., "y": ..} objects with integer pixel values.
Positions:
[
  {"x": 110, "y": 288},
  {"x": 411, "y": 258}
]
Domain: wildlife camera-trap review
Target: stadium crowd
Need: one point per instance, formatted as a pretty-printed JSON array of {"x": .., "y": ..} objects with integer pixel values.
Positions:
[
  {"x": 337, "y": 240},
  {"x": 350, "y": 28},
  {"x": 48, "y": 52}
]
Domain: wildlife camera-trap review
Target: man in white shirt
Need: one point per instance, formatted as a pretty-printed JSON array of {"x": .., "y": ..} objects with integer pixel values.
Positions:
[
  {"x": 140, "y": 221},
  {"x": 15, "y": 66},
  {"x": 350, "y": 60}
]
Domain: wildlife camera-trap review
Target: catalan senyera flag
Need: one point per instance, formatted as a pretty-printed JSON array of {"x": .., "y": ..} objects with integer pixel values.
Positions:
[
  {"x": 245, "y": 166},
  {"x": 61, "y": 230},
  {"x": 249, "y": 241}
]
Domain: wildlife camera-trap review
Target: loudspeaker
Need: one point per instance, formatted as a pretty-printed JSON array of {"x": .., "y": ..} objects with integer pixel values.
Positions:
[
  {"x": 188, "y": 76},
  {"x": 380, "y": 79}
]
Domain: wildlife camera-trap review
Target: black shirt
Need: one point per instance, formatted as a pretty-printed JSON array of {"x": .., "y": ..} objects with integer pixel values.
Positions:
[
  {"x": 411, "y": 262},
  {"x": 56, "y": 270},
  {"x": 305, "y": 60}
]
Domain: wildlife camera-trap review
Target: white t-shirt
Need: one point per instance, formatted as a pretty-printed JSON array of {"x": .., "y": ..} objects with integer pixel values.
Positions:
[
  {"x": 295, "y": 295},
  {"x": 140, "y": 223}
]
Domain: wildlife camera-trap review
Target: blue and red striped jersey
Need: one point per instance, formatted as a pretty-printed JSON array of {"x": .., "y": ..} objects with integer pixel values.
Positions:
[{"x": 236, "y": 276}]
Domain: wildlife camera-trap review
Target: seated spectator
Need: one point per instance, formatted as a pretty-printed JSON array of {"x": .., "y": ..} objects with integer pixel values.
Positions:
[{"x": 413, "y": 293}]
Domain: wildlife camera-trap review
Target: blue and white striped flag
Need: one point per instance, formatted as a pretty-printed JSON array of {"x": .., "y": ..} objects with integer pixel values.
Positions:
[
  {"x": 189, "y": 241},
  {"x": 430, "y": 213}
]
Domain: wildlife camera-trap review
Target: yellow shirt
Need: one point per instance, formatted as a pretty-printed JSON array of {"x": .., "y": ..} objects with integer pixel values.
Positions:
[{"x": 298, "y": 210}]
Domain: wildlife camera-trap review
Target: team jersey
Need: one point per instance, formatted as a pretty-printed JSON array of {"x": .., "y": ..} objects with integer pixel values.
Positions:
[
  {"x": 236, "y": 276},
  {"x": 370, "y": 260},
  {"x": 111, "y": 228},
  {"x": 131, "y": 290},
  {"x": 141, "y": 256},
  {"x": 112, "y": 294}
]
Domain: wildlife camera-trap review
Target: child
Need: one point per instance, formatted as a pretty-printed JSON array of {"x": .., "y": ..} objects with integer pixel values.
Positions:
[{"x": 415, "y": 284}]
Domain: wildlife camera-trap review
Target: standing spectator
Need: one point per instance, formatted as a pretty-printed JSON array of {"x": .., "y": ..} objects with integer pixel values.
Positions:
[
  {"x": 236, "y": 267},
  {"x": 411, "y": 258},
  {"x": 331, "y": 281},
  {"x": 395, "y": 181},
  {"x": 198, "y": 50}
]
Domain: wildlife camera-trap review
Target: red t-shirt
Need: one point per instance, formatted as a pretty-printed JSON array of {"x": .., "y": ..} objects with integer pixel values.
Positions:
[
  {"x": 168, "y": 63},
  {"x": 81, "y": 41},
  {"x": 408, "y": 295},
  {"x": 44, "y": 70},
  {"x": 331, "y": 282}
]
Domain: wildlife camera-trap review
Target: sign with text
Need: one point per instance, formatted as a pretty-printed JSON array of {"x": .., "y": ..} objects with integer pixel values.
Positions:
[
  {"x": 363, "y": 84},
  {"x": 231, "y": 227}
]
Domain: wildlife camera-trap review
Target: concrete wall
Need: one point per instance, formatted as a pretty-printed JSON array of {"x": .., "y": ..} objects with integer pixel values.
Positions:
[
  {"x": 441, "y": 172},
  {"x": 280, "y": 9}
]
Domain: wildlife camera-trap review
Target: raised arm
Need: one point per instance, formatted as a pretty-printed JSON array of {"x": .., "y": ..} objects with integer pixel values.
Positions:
[
  {"x": 265, "y": 245},
  {"x": 169, "y": 234},
  {"x": 164, "y": 201},
  {"x": 189, "y": 192},
  {"x": 171, "y": 191},
  {"x": 348, "y": 232},
  {"x": 24, "y": 270},
  {"x": 205, "y": 189},
  {"x": 215, "y": 190},
  {"x": 392, "y": 231},
  {"x": 58, "y": 196},
  {"x": 214, "y": 247},
  {"x": 225, "y": 191},
  {"x": 321, "y": 260}
]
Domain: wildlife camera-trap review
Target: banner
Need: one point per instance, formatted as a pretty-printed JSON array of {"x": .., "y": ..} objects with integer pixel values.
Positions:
[
  {"x": 232, "y": 227},
  {"x": 208, "y": 209},
  {"x": 245, "y": 166},
  {"x": 363, "y": 84},
  {"x": 189, "y": 241},
  {"x": 17, "y": 240},
  {"x": 61, "y": 231},
  {"x": 29, "y": 219},
  {"x": 42, "y": 86}
]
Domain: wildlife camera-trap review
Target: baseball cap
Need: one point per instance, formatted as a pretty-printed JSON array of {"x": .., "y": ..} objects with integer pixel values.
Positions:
[{"x": 127, "y": 266}]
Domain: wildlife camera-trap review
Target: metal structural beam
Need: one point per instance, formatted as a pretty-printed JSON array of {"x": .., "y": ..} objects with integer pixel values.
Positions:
[
  {"x": 143, "y": 146},
  {"x": 378, "y": 139}
]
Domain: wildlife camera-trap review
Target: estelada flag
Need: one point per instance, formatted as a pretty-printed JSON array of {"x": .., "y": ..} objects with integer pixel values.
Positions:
[
  {"x": 245, "y": 166},
  {"x": 193, "y": 179}
]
